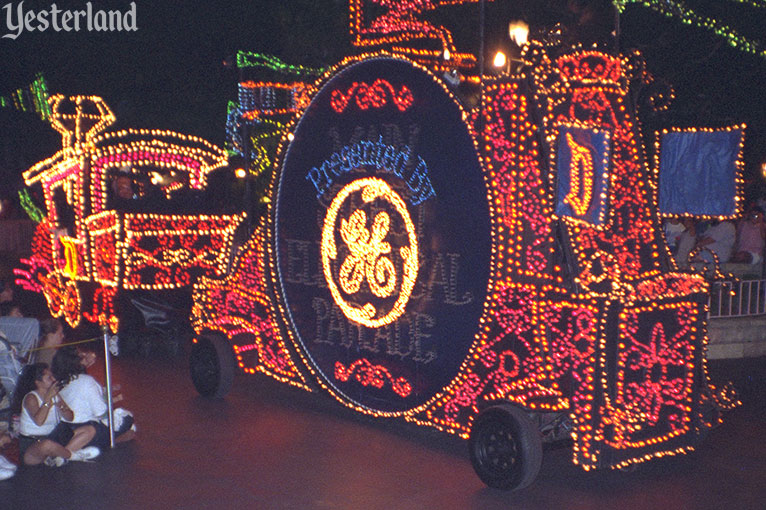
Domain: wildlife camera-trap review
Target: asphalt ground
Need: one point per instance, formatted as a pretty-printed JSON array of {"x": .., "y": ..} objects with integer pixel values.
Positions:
[{"x": 271, "y": 446}]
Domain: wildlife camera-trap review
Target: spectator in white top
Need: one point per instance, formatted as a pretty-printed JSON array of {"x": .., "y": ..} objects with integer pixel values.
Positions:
[
  {"x": 43, "y": 437},
  {"x": 751, "y": 238},
  {"x": 719, "y": 238},
  {"x": 85, "y": 397}
]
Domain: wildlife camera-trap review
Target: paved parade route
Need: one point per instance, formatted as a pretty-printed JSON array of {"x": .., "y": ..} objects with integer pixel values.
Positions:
[{"x": 269, "y": 446}]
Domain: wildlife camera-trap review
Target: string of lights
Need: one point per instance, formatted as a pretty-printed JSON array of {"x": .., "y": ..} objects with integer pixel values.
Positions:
[
  {"x": 264, "y": 107},
  {"x": 31, "y": 98},
  {"x": 250, "y": 59},
  {"x": 400, "y": 22},
  {"x": 751, "y": 3},
  {"x": 677, "y": 9},
  {"x": 33, "y": 211}
]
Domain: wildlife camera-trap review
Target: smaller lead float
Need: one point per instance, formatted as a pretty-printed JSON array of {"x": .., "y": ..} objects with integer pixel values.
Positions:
[{"x": 92, "y": 245}]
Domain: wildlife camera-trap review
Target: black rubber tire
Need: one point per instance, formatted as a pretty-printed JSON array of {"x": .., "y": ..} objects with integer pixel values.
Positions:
[
  {"x": 212, "y": 365},
  {"x": 505, "y": 447}
]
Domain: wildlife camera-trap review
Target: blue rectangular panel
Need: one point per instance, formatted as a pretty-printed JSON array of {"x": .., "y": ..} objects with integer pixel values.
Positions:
[{"x": 698, "y": 172}]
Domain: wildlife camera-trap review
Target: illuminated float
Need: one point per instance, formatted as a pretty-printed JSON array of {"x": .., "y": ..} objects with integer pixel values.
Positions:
[
  {"x": 90, "y": 246},
  {"x": 498, "y": 273}
]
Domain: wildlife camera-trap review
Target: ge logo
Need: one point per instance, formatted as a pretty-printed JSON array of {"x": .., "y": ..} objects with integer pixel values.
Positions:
[{"x": 369, "y": 262}]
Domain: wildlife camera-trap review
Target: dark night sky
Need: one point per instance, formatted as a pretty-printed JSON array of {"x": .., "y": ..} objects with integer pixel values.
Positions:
[{"x": 169, "y": 74}]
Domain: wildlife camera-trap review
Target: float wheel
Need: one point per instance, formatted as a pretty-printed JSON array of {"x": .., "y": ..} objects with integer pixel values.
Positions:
[
  {"x": 505, "y": 447},
  {"x": 212, "y": 365}
]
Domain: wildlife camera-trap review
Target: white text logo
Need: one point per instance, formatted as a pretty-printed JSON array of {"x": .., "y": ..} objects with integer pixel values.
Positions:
[{"x": 17, "y": 20}]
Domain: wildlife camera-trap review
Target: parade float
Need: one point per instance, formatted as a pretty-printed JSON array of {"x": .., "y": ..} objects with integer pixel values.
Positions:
[
  {"x": 480, "y": 254},
  {"x": 496, "y": 272},
  {"x": 91, "y": 246}
]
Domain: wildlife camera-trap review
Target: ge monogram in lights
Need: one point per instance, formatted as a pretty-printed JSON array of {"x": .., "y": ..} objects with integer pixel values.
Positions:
[{"x": 369, "y": 256}]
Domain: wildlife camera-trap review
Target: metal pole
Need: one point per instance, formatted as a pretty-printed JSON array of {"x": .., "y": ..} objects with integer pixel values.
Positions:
[
  {"x": 108, "y": 372},
  {"x": 740, "y": 297}
]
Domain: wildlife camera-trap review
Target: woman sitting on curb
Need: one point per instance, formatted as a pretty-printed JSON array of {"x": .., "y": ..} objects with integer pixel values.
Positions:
[
  {"x": 43, "y": 436},
  {"x": 86, "y": 398}
]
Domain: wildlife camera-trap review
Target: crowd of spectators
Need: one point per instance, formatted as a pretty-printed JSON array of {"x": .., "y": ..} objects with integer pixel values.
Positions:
[
  {"x": 722, "y": 241},
  {"x": 54, "y": 412}
]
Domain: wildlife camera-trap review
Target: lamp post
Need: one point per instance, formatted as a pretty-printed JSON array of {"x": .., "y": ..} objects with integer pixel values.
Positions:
[{"x": 518, "y": 31}]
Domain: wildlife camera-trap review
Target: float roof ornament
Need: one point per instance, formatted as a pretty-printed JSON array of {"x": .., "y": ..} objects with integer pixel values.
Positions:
[
  {"x": 400, "y": 22},
  {"x": 79, "y": 118}
]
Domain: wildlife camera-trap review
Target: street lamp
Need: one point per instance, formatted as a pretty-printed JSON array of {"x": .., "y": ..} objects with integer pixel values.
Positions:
[
  {"x": 518, "y": 31},
  {"x": 500, "y": 61}
]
